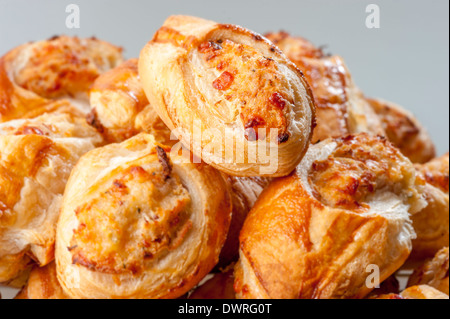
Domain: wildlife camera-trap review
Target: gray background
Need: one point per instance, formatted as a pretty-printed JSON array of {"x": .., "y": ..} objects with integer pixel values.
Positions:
[{"x": 405, "y": 61}]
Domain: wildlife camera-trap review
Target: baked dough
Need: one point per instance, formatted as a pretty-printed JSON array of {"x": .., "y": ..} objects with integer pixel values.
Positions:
[
  {"x": 42, "y": 284},
  {"x": 314, "y": 233},
  {"x": 120, "y": 108},
  {"x": 404, "y": 131},
  {"x": 220, "y": 287},
  {"x": 416, "y": 292},
  {"x": 341, "y": 106},
  {"x": 432, "y": 223},
  {"x": 138, "y": 222},
  {"x": 244, "y": 193},
  {"x": 433, "y": 273},
  {"x": 34, "y": 75},
  {"x": 36, "y": 158},
  {"x": 223, "y": 87}
]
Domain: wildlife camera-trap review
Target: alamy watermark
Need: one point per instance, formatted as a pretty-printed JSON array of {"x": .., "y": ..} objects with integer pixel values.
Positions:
[
  {"x": 373, "y": 20},
  {"x": 73, "y": 17}
]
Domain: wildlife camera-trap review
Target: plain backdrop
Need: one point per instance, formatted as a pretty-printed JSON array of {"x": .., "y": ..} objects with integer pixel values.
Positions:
[{"x": 406, "y": 60}]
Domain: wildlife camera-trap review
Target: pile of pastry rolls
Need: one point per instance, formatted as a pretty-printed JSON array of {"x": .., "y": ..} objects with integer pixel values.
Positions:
[{"x": 105, "y": 191}]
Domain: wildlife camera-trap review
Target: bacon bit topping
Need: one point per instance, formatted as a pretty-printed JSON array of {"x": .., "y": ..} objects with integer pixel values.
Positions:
[
  {"x": 119, "y": 184},
  {"x": 257, "y": 37},
  {"x": 164, "y": 160},
  {"x": 93, "y": 120},
  {"x": 251, "y": 128},
  {"x": 29, "y": 130},
  {"x": 205, "y": 46},
  {"x": 277, "y": 100},
  {"x": 224, "y": 81},
  {"x": 283, "y": 138},
  {"x": 222, "y": 65}
]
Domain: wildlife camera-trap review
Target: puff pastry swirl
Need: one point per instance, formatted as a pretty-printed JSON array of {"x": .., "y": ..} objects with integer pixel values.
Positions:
[
  {"x": 422, "y": 292},
  {"x": 223, "y": 87},
  {"x": 36, "y": 158},
  {"x": 42, "y": 284},
  {"x": 314, "y": 233},
  {"x": 433, "y": 273},
  {"x": 432, "y": 223},
  {"x": 404, "y": 131},
  {"x": 137, "y": 222},
  {"x": 341, "y": 106},
  {"x": 35, "y": 75},
  {"x": 120, "y": 108}
]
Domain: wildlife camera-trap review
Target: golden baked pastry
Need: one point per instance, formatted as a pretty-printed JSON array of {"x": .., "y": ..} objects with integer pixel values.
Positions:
[
  {"x": 220, "y": 286},
  {"x": 318, "y": 232},
  {"x": 244, "y": 193},
  {"x": 42, "y": 284},
  {"x": 404, "y": 131},
  {"x": 432, "y": 223},
  {"x": 389, "y": 286},
  {"x": 138, "y": 222},
  {"x": 36, "y": 158},
  {"x": 34, "y": 75},
  {"x": 341, "y": 106},
  {"x": 120, "y": 108},
  {"x": 416, "y": 292},
  {"x": 436, "y": 172},
  {"x": 433, "y": 273},
  {"x": 230, "y": 95}
]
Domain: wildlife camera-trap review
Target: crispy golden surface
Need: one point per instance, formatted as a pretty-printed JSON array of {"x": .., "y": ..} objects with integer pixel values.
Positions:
[
  {"x": 200, "y": 76},
  {"x": 244, "y": 193},
  {"x": 436, "y": 172},
  {"x": 432, "y": 223},
  {"x": 341, "y": 107},
  {"x": 415, "y": 293},
  {"x": 120, "y": 107},
  {"x": 220, "y": 286},
  {"x": 404, "y": 131},
  {"x": 33, "y": 75},
  {"x": 137, "y": 222},
  {"x": 294, "y": 244},
  {"x": 64, "y": 65},
  {"x": 36, "y": 158},
  {"x": 433, "y": 273},
  {"x": 42, "y": 284}
]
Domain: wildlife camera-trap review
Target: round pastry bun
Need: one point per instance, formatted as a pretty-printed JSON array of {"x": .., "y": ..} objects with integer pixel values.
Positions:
[
  {"x": 36, "y": 158},
  {"x": 320, "y": 232},
  {"x": 223, "y": 88},
  {"x": 139, "y": 222},
  {"x": 35, "y": 75}
]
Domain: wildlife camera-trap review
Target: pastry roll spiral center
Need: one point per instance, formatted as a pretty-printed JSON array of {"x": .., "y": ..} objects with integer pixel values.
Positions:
[
  {"x": 244, "y": 88},
  {"x": 142, "y": 214},
  {"x": 63, "y": 65},
  {"x": 357, "y": 169}
]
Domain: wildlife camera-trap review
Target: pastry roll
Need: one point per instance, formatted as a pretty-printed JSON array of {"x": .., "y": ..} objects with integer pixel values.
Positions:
[
  {"x": 42, "y": 284},
  {"x": 423, "y": 292},
  {"x": 432, "y": 223},
  {"x": 139, "y": 222},
  {"x": 341, "y": 106},
  {"x": 36, "y": 158},
  {"x": 120, "y": 108},
  {"x": 416, "y": 292},
  {"x": 433, "y": 273},
  {"x": 342, "y": 216},
  {"x": 244, "y": 193},
  {"x": 404, "y": 131},
  {"x": 436, "y": 172},
  {"x": 34, "y": 75},
  {"x": 220, "y": 286},
  {"x": 231, "y": 96}
]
